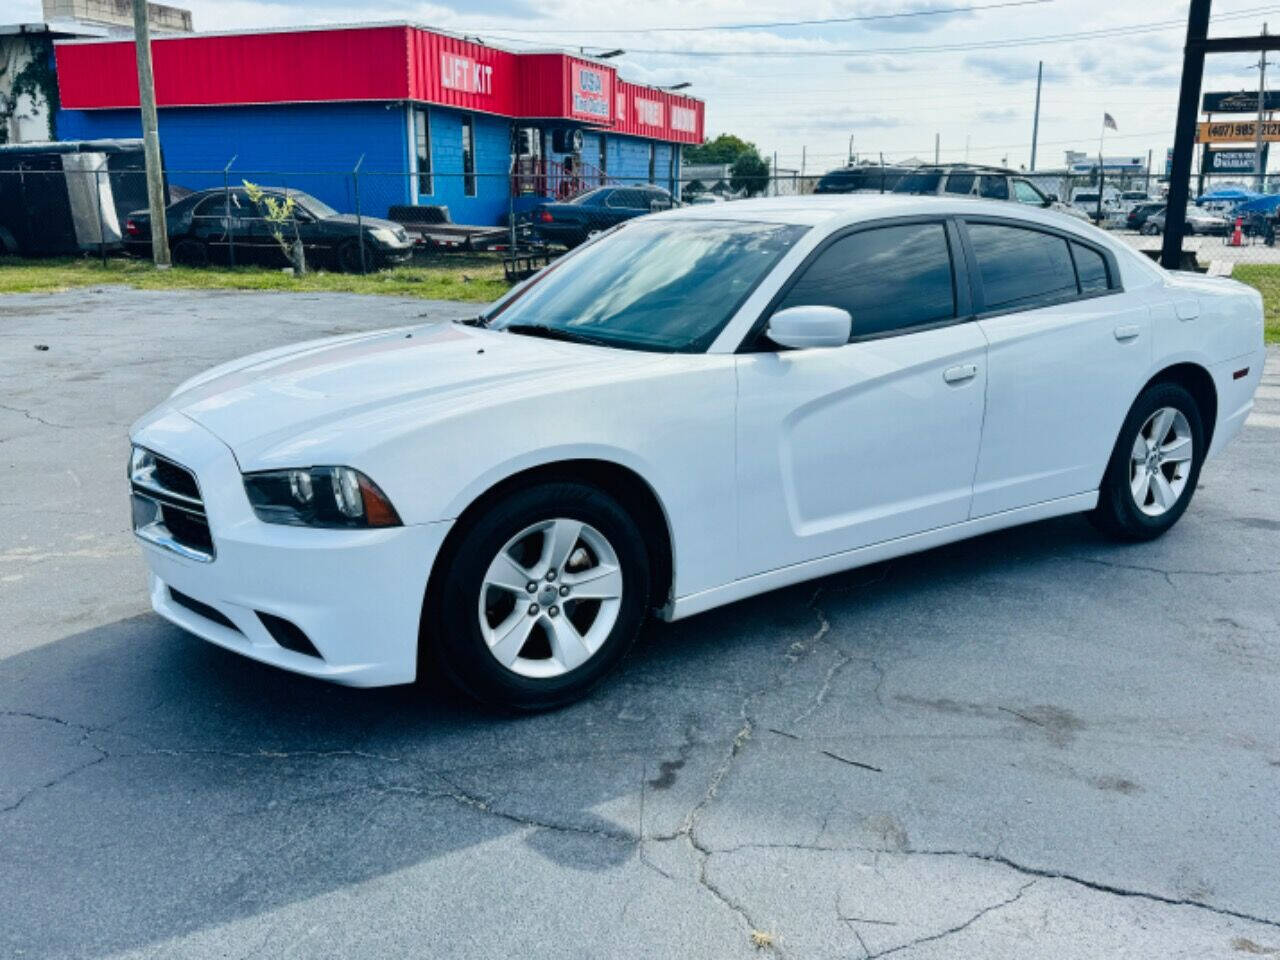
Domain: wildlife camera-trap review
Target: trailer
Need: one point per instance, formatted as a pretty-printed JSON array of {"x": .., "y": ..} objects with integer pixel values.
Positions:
[
  {"x": 433, "y": 230},
  {"x": 69, "y": 197}
]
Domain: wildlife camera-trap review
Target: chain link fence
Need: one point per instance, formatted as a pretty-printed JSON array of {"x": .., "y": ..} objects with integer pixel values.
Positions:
[{"x": 361, "y": 220}]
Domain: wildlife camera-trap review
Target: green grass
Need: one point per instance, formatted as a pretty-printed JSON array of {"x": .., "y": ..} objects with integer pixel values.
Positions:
[
  {"x": 474, "y": 279},
  {"x": 1266, "y": 279}
]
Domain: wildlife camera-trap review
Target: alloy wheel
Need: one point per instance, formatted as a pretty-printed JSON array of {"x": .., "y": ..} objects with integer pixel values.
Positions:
[
  {"x": 550, "y": 598},
  {"x": 1161, "y": 461}
]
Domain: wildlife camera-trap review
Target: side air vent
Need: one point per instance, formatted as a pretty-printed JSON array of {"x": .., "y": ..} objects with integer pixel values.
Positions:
[{"x": 289, "y": 635}]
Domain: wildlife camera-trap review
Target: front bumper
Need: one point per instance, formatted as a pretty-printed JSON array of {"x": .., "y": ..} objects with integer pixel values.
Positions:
[{"x": 356, "y": 594}]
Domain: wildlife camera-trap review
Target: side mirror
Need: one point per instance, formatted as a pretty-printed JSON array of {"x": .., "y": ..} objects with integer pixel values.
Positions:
[{"x": 810, "y": 326}]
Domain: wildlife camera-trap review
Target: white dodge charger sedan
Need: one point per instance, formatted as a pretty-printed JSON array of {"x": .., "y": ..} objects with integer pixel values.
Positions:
[{"x": 695, "y": 407}]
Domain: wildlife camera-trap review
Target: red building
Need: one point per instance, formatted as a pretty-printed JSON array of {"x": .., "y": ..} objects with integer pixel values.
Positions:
[{"x": 440, "y": 118}]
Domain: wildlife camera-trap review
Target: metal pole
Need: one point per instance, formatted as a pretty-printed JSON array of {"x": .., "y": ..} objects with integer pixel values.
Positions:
[
  {"x": 97, "y": 202},
  {"x": 150, "y": 135},
  {"x": 1035, "y": 124},
  {"x": 1262, "y": 100},
  {"x": 228, "y": 222},
  {"x": 882, "y": 171},
  {"x": 775, "y": 173},
  {"x": 937, "y": 148},
  {"x": 1185, "y": 133},
  {"x": 355, "y": 175},
  {"x": 1102, "y": 170}
]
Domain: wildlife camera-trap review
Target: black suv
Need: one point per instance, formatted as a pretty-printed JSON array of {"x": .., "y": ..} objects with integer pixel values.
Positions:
[{"x": 988, "y": 183}]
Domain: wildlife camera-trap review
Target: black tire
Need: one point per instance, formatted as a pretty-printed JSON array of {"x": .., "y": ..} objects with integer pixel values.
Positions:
[
  {"x": 1118, "y": 514},
  {"x": 191, "y": 253},
  {"x": 348, "y": 257},
  {"x": 1150, "y": 230},
  {"x": 451, "y": 634}
]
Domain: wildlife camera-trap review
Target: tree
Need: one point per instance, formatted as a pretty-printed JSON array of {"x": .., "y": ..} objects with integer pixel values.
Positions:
[
  {"x": 749, "y": 173},
  {"x": 725, "y": 148},
  {"x": 278, "y": 214}
]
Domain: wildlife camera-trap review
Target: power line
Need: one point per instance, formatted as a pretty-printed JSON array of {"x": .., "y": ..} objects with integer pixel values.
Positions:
[
  {"x": 768, "y": 25},
  {"x": 1104, "y": 33}
]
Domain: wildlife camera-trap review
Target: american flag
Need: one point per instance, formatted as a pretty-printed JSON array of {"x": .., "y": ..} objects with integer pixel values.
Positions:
[{"x": 1109, "y": 121}]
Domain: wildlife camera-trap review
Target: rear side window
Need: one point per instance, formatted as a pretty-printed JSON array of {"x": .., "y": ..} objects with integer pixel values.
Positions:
[
  {"x": 993, "y": 188},
  {"x": 1091, "y": 268},
  {"x": 888, "y": 278},
  {"x": 960, "y": 183},
  {"x": 1020, "y": 268}
]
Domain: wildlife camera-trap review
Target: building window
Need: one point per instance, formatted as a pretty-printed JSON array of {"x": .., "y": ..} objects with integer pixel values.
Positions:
[
  {"x": 652, "y": 159},
  {"x": 422, "y": 146},
  {"x": 468, "y": 158},
  {"x": 604, "y": 157}
]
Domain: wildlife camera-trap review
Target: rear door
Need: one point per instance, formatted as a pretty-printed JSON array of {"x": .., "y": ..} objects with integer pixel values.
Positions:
[
  {"x": 1068, "y": 350},
  {"x": 843, "y": 447}
]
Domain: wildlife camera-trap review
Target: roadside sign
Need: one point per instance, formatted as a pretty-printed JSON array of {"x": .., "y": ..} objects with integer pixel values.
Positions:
[
  {"x": 1236, "y": 131},
  {"x": 1241, "y": 101},
  {"x": 1232, "y": 161}
]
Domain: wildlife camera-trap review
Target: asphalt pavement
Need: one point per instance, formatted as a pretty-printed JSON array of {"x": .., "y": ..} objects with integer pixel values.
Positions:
[{"x": 1033, "y": 744}]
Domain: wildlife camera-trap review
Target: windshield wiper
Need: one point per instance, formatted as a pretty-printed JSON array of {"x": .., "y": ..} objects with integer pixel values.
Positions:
[
  {"x": 555, "y": 333},
  {"x": 479, "y": 320}
]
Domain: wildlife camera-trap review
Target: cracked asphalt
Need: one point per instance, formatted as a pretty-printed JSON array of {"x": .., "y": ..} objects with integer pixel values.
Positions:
[{"x": 1033, "y": 744}]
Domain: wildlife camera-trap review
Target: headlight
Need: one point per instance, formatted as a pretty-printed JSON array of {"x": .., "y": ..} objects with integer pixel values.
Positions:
[
  {"x": 383, "y": 235},
  {"x": 319, "y": 497}
]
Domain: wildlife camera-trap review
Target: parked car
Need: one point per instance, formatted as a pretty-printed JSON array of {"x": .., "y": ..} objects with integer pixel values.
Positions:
[
  {"x": 699, "y": 406},
  {"x": 866, "y": 178},
  {"x": 573, "y": 221},
  {"x": 988, "y": 183},
  {"x": 1198, "y": 221},
  {"x": 206, "y": 225},
  {"x": 1139, "y": 213}
]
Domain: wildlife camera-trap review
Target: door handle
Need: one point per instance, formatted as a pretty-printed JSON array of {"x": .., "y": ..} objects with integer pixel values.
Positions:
[
  {"x": 966, "y": 371},
  {"x": 1128, "y": 331}
]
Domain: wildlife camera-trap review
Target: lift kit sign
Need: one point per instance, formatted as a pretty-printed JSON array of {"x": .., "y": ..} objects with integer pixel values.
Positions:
[{"x": 1236, "y": 131}]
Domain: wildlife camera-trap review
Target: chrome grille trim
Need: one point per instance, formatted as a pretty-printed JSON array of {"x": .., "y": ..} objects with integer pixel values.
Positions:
[{"x": 151, "y": 498}]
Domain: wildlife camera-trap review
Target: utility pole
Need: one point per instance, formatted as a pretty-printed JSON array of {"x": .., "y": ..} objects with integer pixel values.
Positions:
[
  {"x": 1035, "y": 124},
  {"x": 851, "y": 149},
  {"x": 937, "y": 149},
  {"x": 150, "y": 136},
  {"x": 1262, "y": 102},
  {"x": 1185, "y": 133}
]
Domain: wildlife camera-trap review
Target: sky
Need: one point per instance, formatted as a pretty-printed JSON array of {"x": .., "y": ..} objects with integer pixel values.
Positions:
[{"x": 962, "y": 70}]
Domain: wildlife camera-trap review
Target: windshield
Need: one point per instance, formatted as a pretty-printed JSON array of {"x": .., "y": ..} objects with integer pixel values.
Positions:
[
  {"x": 317, "y": 208},
  {"x": 667, "y": 285},
  {"x": 919, "y": 183}
]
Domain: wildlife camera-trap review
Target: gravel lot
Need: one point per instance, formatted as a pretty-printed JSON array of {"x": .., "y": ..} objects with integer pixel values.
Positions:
[{"x": 1035, "y": 744}]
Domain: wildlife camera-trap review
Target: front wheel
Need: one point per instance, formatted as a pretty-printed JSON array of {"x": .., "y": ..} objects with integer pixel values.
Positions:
[
  {"x": 349, "y": 258},
  {"x": 543, "y": 596},
  {"x": 1154, "y": 467}
]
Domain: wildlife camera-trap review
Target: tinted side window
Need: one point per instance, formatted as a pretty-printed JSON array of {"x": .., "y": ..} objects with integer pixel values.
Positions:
[
  {"x": 1021, "y": 268},
  {"x": 214, "y": 205},
  {"x": 888, "y": 278},
  {"x": 1026, "y": 193},
  {"x": 960, "y": 183},
  {"x": 993, "y": 188},
  {"x": 1091, "y": 268},
  {"x": 629, "y": 199}
]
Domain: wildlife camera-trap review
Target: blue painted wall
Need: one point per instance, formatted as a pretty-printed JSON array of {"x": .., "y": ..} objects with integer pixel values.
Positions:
[
  {"x": 492, "y": 143},
  {"x": 316, "y": 144}
]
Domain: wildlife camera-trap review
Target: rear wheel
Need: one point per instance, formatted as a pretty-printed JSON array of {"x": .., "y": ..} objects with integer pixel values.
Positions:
[
  {"x": 541, "y": 599},
  {"x": 191, "y": 253},
  {"x": 1150, "y": 229},
  {"x": 1154, "y": 467}
]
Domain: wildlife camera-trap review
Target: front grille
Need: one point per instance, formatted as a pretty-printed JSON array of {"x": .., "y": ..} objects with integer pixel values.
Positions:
[
  {"x": 167, "y": 507},
  {"x": 177, "y": 479},
  {"x": 202, "y": 609}
]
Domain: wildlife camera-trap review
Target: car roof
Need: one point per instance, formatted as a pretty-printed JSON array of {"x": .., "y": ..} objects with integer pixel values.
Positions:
[{"x": 835, "y": 209}]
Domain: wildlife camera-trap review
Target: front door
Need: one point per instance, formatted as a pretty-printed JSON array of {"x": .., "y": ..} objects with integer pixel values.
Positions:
[{"x": 840, "y": 448}]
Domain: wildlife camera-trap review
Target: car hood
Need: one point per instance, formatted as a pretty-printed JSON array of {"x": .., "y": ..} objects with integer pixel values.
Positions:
[{"x": 278, "y": 407}]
